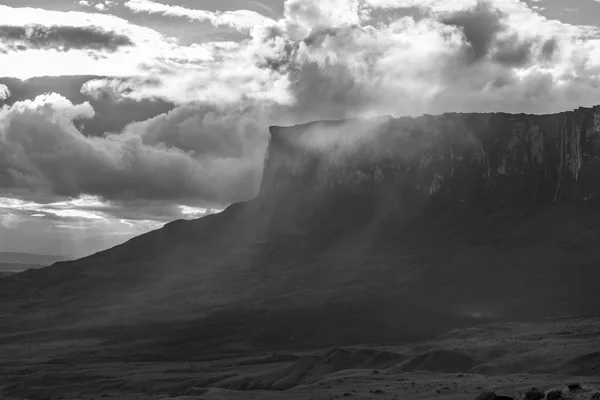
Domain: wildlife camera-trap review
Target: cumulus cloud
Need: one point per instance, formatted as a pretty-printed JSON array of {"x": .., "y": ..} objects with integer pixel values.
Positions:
[
  {"x": 332, "y": 60},
  {"x": 4, "y": 92},
  {"x": 62, "y": 38},
  {"x": 41, "y": 149},
  {"x": 242, "y": 20}
]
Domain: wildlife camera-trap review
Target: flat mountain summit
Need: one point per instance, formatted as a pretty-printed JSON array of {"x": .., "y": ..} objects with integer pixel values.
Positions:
[{"x": 378, "y": 230}]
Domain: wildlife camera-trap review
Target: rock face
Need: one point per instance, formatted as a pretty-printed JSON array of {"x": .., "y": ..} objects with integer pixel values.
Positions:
[
  {"x": 370, "y": 230},
  {"x": 464, "y": 159}
]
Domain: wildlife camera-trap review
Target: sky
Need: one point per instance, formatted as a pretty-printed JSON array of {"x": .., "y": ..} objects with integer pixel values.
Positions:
[{"x": 118, "y": 116}]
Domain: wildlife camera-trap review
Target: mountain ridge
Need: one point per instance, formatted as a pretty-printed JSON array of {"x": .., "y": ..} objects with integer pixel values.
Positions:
[{"x": 11, "y": 257}]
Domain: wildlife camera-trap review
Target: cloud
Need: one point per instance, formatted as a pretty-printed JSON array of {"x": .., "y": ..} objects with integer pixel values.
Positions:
[
  {"x": 486, "y": 33},
  {"x": 99, "y": 6},
  {"x": 301, "y": 16},
  {"x": 116, "y": 89},
  {"x": 66, "y": 209},
  {"x": 549, "y": 48},
  {"x": 331, "y": 60},
  {"x": 69, "y": 227},
  {"x": 214, "y": 160},
  {"x": 514, "y": 53},
  {"x": 242, "y": 20},
  {"x": 75, "y": 43},
  {"x": 4, "y": 92},
  {"x": 215, "y": 73},
  {"x": 332, "y": 56},
  {"x": 61, "y": 38},
  {"x": 92, "y": 208},
  {"x": 480, "y": 25}
]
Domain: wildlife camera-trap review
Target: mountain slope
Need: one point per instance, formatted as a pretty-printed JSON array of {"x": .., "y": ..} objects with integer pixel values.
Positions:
[{"x": 372, "y": 230}]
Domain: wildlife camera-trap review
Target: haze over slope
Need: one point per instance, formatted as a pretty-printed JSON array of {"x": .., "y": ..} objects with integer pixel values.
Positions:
[{"x": 368, "y": 230}]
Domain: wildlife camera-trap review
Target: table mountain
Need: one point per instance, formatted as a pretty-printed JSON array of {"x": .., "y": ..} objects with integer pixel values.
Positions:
[{"x": 365, "y": 231}]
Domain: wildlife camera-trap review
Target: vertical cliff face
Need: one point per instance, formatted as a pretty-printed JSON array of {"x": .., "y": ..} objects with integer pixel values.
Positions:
[{"x": 492, "y": 160}]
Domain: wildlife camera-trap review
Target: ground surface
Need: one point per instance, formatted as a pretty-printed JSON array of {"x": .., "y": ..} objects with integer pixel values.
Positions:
[{"x": 507, "y": 358}]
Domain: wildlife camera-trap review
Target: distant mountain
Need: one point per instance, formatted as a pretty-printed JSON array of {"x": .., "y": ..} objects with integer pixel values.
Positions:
[
  {"x": 27, "y": 258},
  {"x": 13, "y": 267},
  {"x": 365, "y": 231}
]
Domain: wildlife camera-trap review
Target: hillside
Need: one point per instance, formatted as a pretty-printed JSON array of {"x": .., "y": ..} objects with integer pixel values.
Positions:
[{"x": 365, "y": 231}]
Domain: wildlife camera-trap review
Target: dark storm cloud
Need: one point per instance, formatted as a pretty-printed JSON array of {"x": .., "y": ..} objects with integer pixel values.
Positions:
[
  {"x": 329, "y": 93},
  {"x": 480, "y": 25},
  {"x": 190, "y": 155},
  {"x": 317, "y": 35},
  {"x": 512, "y": 52},
  {"x": 487, "y": 35},
  {"x": 549, "y": 48},
  {"x": 62, "y": 38}
]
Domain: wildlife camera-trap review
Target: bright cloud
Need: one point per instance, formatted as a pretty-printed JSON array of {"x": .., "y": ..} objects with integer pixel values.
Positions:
[
  {"x": 330, "y": 59},
  {"x": 4, "y": 92},
  {"x": 97, "y": 43},
  {"x": 81, "y": 226},
  {"x": 63, "y": 209},
  {"x": 99, "y": 5},
  {"x": 242, "y": 20}
]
